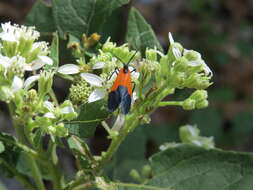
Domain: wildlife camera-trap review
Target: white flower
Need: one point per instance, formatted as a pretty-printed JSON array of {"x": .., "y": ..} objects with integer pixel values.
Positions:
[
  {"x": 17, "y": 84},
  {"x": 38, "y": 63},
  {"x": 69, "y": 69},
  {"x": 207, "y": 70},
  {"x": 96, "y": 95},
  {"x": 13, "y": 33},
  {"x": 30, "y": 80},
  {"x": 175, "y": 50},
  {"x": 53, "y": 111},
  {"x": 94, "y": 80}
]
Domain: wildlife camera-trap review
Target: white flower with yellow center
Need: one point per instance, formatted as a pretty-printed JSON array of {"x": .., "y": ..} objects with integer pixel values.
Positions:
[{"x": 99, "y": 83}]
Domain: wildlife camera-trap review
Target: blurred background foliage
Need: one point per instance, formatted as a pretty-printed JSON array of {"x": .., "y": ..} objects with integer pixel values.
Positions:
[{"x": 222, "y": 31}]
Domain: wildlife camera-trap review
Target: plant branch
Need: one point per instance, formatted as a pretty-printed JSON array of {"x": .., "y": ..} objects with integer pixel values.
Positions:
[{"x": 170, "y": 103}]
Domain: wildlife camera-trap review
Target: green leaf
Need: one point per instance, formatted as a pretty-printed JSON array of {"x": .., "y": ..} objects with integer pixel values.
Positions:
[
  {"x": 8, "y": 158},
  {"x": 193, "y": 168},
  {"x": 1, "y": 147},
  {"x": 41, "y": 16},
  {"x": 55, "y": 50},
  {"x": 139, "y": 33},
  {"x": 89, "y": 117},
  {"x": 77, "y": 16}
]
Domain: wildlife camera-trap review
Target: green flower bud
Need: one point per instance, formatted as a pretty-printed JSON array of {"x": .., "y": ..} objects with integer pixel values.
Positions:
[
  {"x": 151, "y": 54},
  {"x": 146, "y": 171},
  {"x": 192, "y": 55},
  {"x": 16, "y": 69},
  {"x": 67, "y": 111},
  {"x": 6, "y": 93},
  {"x": 202, "y": 104},
  {"x": 189, "y": 104},
  {"x": 188, "y": 133},
  {"x": 199, "y": 95},
  {"x": 135, "y": 175},
  {"x": 197, "y": 81},
  {"x": 60, "y": 130},
  {"x": 45, "y": 83},
  {"x": 175, "y": 51},
  {"x": 206, "y": 142},
  {"x": 79, "y": 92}
]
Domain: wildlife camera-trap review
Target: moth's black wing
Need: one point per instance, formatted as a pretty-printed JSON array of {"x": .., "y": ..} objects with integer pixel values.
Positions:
[
  {"x": 125, "y": 99},
  {"x": 114, "y": 100}
]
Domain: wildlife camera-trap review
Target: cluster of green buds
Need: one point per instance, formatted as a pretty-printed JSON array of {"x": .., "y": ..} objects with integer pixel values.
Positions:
[
  {"x": 19, "y": 52},
  {"x": 197, "y": 100},
  {"x": 33, "y": 113}
]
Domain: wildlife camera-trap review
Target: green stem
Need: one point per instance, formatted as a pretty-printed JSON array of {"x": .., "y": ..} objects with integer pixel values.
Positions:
[
  {"x": 53, "y": 166},
  {"x": 22, "y": 138},
  {"x": 18, "y": 129},
  {"x": 132, "y": 121},
  {"x": 170, "y": 103},
  {"x": 53, "y": 96},
  {"x": 36, "y": 173}
]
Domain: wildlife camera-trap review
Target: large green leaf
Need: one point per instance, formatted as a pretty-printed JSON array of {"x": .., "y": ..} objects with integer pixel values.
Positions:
[
  {"x": 41, "y": 16},
  {"x": 83, "y": 16},
  {"x": 140, "y": 34},
  {"x": 187, "y": 167},
  {"x": 89, "y": 117},
  {"x": 192, "y": 168}
]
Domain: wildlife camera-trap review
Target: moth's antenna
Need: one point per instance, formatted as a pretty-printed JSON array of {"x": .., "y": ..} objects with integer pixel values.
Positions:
[
  {"x": 118, "y": 58},
  {"x": 132, "y": 58},
  {"x": 129, "y": 59}
]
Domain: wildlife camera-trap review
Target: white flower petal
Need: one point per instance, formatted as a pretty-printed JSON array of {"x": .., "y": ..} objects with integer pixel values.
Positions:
[
  {"x": 119, "y": 122},
  {"x": 176, "y": 52},
  {"x": 35, "y": 66},
  {"x": 49, "y": 105},
  {"x": 67, "y": 109},
  {"x": 5, "y": 61},
  {"x": 46, "y": 60},
  {"x": 30, "y": 80},
  {"x": 8, "y": 37},
  {"x": 28, "y": 67},
  {"x": 171, "y": 38},
  {"x": 49, "y": 115},
  {"x": 69, "y": 69},
  {"x": 98, "y": 65},
  {"x": 134, "y": 74},
  {"x": 96, "y": 95},
  {"x": 92, "y": 79},
  {"x": 17, "y": 84}
]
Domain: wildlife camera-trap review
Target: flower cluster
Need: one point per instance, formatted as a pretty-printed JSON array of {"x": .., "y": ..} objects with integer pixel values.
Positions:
[
  {"x": 19, "y": 53},
  {"x": 157, "y": 75}
]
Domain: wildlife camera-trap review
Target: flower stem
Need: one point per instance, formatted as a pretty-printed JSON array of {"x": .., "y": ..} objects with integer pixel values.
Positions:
[
  {"x": 132, "y": 121},
  {"x": 170, "y": 103},
  {"x": 36, "y": 173}
]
